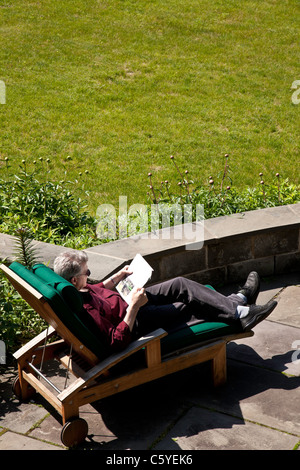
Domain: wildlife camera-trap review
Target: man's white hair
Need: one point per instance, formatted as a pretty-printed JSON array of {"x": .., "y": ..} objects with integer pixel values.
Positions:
[{"x": 69, "y": 264}]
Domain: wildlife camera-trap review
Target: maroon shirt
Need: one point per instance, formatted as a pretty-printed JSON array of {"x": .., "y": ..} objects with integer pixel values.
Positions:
[{"x": 107, "y": 308}]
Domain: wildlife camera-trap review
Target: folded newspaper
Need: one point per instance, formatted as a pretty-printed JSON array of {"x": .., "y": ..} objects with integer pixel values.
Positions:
[{"x": 141, "y": 273}]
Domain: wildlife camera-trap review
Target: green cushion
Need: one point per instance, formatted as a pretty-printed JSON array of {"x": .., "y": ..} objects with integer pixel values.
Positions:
[
  {"x": 189, "y": 335},
  {"x": 67, "y": 291},
  {"x": 48, "y": 292},
  {"x": 196, "y": 333},
  {"x": 75, "y": 321}
]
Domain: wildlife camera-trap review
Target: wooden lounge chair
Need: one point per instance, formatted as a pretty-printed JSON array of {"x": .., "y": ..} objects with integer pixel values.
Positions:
[{"x": 98, "y": 374}]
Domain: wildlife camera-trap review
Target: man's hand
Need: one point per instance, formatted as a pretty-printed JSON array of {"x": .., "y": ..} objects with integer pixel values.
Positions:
[
  {"x": 124, "y": 272},
  {"x": 138, "y": 299},
  {"x": 111, "y": 282}
]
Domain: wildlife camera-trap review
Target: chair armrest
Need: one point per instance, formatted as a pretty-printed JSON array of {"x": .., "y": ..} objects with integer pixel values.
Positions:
[
  {"x": 34, "y": 343},
  {"x": 111, "y": 361}
]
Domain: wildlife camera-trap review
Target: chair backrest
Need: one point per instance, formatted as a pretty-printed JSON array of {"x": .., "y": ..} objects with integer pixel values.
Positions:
[{"x": 65, "y": 301}]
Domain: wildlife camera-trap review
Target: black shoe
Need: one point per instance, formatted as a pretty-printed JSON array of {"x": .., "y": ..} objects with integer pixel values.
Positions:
[
  {"x": 257, "y": 313},
  {"x": 251, "y": 288}
]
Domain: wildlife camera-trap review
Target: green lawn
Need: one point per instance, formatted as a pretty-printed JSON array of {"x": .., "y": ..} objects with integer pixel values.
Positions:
[{"x": 120, "y": 85}]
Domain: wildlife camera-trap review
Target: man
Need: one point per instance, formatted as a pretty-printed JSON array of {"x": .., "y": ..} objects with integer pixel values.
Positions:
[{"x": 165, "y": 305}]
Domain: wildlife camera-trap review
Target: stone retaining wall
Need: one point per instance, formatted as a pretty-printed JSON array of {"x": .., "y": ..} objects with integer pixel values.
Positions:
[{"x": 266, "y": 240}]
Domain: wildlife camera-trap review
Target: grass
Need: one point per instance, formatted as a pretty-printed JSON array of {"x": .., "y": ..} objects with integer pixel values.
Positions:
[{"x": 120, "y": 85}]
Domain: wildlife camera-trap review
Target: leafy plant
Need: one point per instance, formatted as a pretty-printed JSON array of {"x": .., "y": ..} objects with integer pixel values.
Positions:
[
  {"x": 49, "y": 210},
  {"x": 26, "y": 253},
  {"x": 219, "y": 197}
]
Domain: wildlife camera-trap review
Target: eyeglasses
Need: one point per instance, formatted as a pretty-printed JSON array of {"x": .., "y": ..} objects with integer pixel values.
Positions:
[{"x": 87, "y": 273}]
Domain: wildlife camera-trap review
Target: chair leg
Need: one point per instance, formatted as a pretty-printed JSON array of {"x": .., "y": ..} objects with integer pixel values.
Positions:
[
  {"x": 21, "y": 388},
  {"x": 75, "y": 429},
  {"x": 219, "y": 367},
  {"x": 69, "y": 411}
]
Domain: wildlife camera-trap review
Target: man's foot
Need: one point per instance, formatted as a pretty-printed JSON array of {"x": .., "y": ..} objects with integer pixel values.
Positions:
[
  {"x": 257, "y": 313},
  {"x": 251, "y": 288}
]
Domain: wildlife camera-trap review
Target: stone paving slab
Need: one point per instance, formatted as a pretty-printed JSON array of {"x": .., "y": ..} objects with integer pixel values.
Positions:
[
  {"x": 202, "y": 429},
  {"x": 251, "y": 393},
  {"x": 13, "y": 441},
  {"x": 14, "y": 415},
  {"x": 49, "y": 429},
  {"x": 273, "y": 346},
  {"x": 113, "y": 426},
  {"x": 134, "y": 419},
  {"x": 288, "y": 310},
  {"x": 22, "y": 416}
]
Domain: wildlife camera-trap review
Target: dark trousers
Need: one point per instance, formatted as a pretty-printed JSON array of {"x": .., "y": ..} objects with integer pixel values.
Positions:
[{"x": 181, "y": 300}]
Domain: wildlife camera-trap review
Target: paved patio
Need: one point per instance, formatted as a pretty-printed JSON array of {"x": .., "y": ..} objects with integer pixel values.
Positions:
[{"x": 257, "y": 409}]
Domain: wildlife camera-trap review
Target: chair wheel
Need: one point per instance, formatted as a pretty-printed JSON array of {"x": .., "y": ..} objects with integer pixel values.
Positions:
[
  {"x": 74, "y": 432},
  {"x": 16, "y": 388},
  {"x": 17, "y": 391}
]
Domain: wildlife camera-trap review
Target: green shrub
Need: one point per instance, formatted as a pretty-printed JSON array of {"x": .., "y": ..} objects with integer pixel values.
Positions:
[
  {"x": 53, "y": 213},
  {"x": 219, "y": 197},
  {"x": 50, "y": 210}
]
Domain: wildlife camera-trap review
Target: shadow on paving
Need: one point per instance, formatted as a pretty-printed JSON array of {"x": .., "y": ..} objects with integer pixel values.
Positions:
[{"x": 134, "y": 415}]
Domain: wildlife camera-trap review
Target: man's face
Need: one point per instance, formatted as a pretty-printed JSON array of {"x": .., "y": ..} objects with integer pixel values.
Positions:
[{"x": 80, "y": 280}]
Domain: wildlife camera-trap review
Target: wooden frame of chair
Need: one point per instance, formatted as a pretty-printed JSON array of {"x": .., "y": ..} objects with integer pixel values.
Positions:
[{"x": 95, "y": 379}]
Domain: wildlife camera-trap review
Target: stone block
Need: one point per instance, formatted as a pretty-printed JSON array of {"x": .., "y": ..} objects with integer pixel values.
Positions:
[
  {"x": 225, "y": 252},
  {"x": 239, "y": 271},
  {"x": 274, "y": 242},
  {"x": 182, "y": 263},
  {"x": 287, "y": 262},
  {"x": 214, "y": 277}
]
